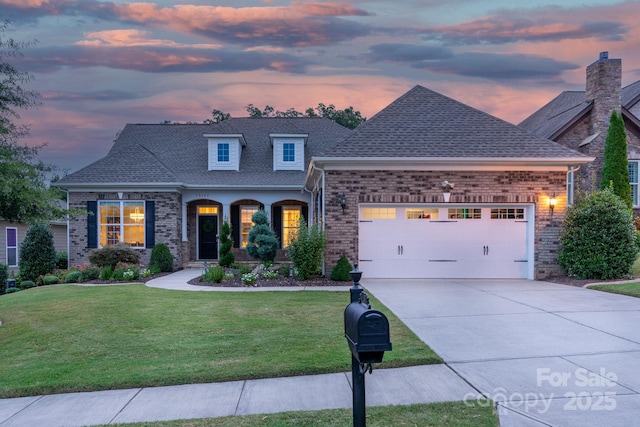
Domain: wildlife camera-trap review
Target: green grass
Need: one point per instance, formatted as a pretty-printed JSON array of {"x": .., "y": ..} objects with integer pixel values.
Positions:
[
  {"x": 458, "y": 414},
  {"x": 630, "y": 289},
  {"x": 72, "y": 338}
]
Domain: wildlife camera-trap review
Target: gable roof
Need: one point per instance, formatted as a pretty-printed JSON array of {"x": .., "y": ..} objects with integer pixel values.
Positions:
[
  {"x": 177, "y": 155},
  {"x": 566, "y": 109},
  {"x": 423, "y": 124}
]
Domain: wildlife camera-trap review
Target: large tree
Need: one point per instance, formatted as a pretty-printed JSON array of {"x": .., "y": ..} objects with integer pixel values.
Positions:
[
  {"x": 24, "y": 194},
  {"x": 615, "y": 170},
  {"x": 348, "y": 117}
]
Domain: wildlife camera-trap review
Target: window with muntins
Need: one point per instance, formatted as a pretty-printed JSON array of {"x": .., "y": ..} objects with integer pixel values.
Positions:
[
  {"x": 246, "y": 215},
  {"x": 290, "y": 223},
  {"x": 121, "y": 222},
  {"x": 288, "y": 152},
  {"x": 12, "y": 246},
  {"x": 223, "y": 152},
  {"x": 633, "y": 180},
  {"x": 465, "y": 213}
]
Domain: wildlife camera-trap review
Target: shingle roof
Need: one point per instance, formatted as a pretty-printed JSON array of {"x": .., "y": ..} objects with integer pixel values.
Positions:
[
  {"x": 425, "y": 124},
  {"x": 550, "y": 120},
  {"x": 177, "y": 154},
  {"x": 630, "y": 95}
]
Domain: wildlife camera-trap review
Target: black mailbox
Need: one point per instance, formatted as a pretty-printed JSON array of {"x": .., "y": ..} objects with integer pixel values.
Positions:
[{"x": 367, "y": 332}]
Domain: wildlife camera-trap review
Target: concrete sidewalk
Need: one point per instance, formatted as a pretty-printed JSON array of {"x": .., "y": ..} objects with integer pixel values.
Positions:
[{"x": 400, "y": 386}]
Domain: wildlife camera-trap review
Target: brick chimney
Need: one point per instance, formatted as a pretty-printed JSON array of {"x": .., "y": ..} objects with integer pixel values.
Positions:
[{"x": 604, "y": 83}]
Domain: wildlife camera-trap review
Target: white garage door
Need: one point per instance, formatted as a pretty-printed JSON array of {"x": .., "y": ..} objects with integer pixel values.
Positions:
[{"x": 445, "y": 242}]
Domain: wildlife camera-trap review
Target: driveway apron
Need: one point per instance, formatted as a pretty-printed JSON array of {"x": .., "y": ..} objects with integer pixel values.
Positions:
[{"x": 547, "y": 354}]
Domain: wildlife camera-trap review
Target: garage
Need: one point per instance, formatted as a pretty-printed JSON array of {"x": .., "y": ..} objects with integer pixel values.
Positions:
[{"x": 446, "y": 241}]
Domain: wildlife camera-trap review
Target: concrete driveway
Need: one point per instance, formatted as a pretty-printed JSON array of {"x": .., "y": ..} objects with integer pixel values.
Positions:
[{"x": 548, "y": 354}]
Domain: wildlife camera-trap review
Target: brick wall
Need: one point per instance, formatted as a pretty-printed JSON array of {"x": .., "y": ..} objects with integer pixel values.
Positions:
[
  {"x": 167, "y": 223},
  {"x": 425, "y": 187}
]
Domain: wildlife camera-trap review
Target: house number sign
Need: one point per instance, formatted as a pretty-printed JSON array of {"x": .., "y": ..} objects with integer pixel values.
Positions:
[{"x": 203, "y": 194}]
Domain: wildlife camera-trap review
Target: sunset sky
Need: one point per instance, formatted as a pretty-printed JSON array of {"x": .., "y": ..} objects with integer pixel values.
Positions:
[{"x": 101, "y": 64}]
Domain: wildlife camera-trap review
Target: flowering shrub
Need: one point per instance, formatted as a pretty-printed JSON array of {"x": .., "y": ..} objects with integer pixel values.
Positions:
[
  {"x": 228, "y": 276},
  {"x": 128, "y": 275},
  {"x": 268, "y": 274},
  {"x": 145, "y": 272},
  {"x": 249, "y": 279}
]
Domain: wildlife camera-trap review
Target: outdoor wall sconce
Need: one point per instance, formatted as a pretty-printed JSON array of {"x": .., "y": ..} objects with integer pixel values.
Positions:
[
  {"x": 342, "y": 201},
  {"x": 446, "y": 190},
  {"x": 553, "y": 201}
]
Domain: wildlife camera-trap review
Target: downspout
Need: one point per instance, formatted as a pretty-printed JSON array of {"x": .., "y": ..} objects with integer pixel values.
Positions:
[
  {"x": 323, "y": 214},
  {"x": 68, "y": 235}
]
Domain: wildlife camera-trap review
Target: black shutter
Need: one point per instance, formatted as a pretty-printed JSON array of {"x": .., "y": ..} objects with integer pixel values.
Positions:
[
  {"x": 92, "y": 224},
  {"x": 235, "y": 225},
  {"x": 305, "y": 214},
  {"x": 276, "y": 222},
  {"x": 150, "y": 223}
]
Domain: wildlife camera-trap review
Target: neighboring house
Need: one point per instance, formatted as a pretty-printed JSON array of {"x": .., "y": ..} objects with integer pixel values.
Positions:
[
  {"x": 580, "y": 120},
  {"x": 377, "y": 191},
  {"x": 395, "y": 221},
  {"x": 12, "y": 234},
  {"x": 176, "y": 184}
]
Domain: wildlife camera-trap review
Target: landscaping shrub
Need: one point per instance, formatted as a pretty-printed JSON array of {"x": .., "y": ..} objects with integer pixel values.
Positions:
[
  {"x": 37, "y": 253},
  {"x": 244, "y": 269},
  {"x": 341, "y": 270},
  {"x": 106, "y": 273},
  {"x": 227, "y": 258},
  {"x": 269, "y": 274},
  {"x": 62, "y": 260},
  {"x": 110, "y": 256},
  {"x": 597, "y": 240},
  {"x": 118, "y": 273},
  {"x": 285, "y": 270},
  {"x": 73, "y": 276},
  {"x": 306, "y": 249},
  {"x": 262, "y": 241},
  {"x": 27, "y": 284},
  {"x": 214, "y": 274},
  {"x": 89, "y": 272},
  {"x": 50, "y": 279},
  {"x": 3, "y": 278},
  {"x": 161, "y": 258},
  {"x": 12, "y": 290}
]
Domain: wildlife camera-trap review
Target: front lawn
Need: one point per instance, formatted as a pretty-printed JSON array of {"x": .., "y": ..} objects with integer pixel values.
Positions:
[
  {"x": 66, "y": 338},
  {"x": 630, "y": 289},
  {"x": 452, "y": 414}
]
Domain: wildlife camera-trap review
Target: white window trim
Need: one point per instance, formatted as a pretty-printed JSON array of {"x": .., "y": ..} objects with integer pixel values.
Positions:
[
  {"x": 635, "y": 185},
  {"x": 7, "y": 247},
  {"x": 121, "y": 224}
]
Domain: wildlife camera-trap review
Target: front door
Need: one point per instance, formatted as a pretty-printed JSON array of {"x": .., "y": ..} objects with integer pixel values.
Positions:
[{"x": 208, "y": 237}]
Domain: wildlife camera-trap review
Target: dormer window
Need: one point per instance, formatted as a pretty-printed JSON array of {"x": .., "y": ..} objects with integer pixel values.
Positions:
[
  {"x": 288, "y": 151},
  {"x": 225, "y": 151}
]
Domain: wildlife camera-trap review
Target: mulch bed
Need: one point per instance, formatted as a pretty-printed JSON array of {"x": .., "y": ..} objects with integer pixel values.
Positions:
[
  {"x": 271, "y": 283},
  {"x": 581, "y": 283}
]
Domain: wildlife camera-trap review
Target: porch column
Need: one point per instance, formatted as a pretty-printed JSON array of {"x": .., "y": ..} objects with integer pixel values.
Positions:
[
  {"x": 184, "y": 222},
  {"x": 226, "y": 213},
  {"x": 267, "y": 210}
]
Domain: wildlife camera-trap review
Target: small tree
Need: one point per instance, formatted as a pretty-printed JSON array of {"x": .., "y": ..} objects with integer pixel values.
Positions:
[
  {"x": 227, "y": 258},
  {"x": 306, "y": 250},
  {"x": 615, "y": 170},
  {"x": 37, "y": 253},
  {"x": 262, "y": 241},
  {"x": 161, "y": 258},
  {"x": 597, "y": 240}
]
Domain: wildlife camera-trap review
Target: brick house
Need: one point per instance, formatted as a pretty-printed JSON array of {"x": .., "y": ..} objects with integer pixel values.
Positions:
[
  {"x": 176, "y": 184},
  {"x": 385, "y": 205},
  {"x": 377, "y": 191},
  {"x": 580, "y": 120}
]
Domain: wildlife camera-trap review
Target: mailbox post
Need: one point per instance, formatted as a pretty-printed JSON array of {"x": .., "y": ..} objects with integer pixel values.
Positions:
[{"x": 367, "y": 333}]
